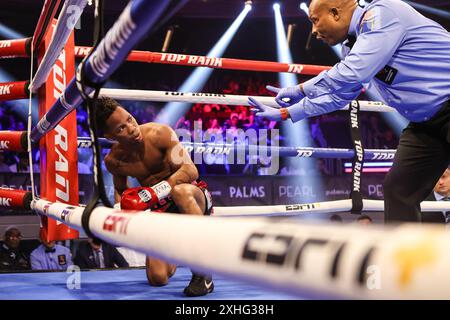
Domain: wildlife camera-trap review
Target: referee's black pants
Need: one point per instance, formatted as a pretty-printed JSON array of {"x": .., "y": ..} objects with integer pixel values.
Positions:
[{"x": 422, "y": 156}]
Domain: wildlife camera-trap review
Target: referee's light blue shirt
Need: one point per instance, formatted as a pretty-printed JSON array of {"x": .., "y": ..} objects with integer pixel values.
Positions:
[
  {"x": 60, "y": 259},
  {"x": 413, "y": 50}
]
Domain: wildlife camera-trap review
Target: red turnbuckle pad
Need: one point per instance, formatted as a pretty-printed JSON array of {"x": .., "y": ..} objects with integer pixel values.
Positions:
[
  {"x": 15, "y": 198},
  {"x": 13, "y": 141}
]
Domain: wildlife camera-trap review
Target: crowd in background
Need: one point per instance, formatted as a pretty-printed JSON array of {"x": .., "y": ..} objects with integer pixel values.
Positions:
[
  {"x": 92, "y": 253},
  {"x": 211, "y": 120}
]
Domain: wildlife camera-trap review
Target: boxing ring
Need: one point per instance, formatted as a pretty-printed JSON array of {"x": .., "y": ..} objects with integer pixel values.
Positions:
[
  {"x": 289, "y": 259},
  {"x": 123, "y": 284}
]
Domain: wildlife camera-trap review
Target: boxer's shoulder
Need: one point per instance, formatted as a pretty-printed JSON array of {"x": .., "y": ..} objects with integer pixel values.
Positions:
[{"x": 159, "y": 134}]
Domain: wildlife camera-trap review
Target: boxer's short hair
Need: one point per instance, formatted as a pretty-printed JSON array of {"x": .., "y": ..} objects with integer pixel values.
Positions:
[{"x": 104, "y": 107}]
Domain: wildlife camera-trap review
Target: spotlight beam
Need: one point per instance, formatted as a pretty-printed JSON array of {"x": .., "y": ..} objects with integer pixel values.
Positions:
[
  {"x": 296, "y": 134},
  {"x": 173, "y": 111},
  {"x": 7, "y": 33}
]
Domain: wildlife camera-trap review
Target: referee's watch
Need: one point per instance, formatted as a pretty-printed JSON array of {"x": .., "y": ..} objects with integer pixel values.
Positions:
[{"x": 284, "y": 114}]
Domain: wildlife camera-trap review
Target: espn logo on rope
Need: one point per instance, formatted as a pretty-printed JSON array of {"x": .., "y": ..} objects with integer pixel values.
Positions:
[
  {"x": 307, "y": 255},
  {"x": 301, "y": 207},
  {"x": 116, "y": 224}
]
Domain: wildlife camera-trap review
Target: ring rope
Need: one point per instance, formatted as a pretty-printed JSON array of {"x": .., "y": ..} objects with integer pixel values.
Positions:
[
  {"x": 17, "y": 143},
  {"x": 319, "y": 207},
  {"x": 218, "y": 98},
  {"x": 285, "y": 255},
  {"x": 16, "y": 48},
  {"x": 124, "y": 34},
  {"x": 19, "y": 91}
]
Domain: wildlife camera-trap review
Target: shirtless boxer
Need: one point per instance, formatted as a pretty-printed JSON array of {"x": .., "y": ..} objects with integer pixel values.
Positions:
[{"x": 153, "y": 155}]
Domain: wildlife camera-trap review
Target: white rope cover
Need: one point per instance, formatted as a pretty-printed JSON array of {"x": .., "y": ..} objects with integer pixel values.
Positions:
[
  {"x": 319, "y": 207},
  {"x": 405, "y": 262}
]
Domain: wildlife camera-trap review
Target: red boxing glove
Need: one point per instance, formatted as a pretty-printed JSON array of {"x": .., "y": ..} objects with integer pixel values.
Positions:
[{"x": 143, "y": 198}]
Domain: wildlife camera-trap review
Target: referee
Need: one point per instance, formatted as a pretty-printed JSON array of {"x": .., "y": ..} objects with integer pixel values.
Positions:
[{"x": 402, "y": 57}]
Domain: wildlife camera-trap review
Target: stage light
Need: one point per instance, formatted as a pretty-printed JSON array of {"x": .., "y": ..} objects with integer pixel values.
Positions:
[
  {"x": 304, "y": 7},
  {"x": 173, "y": 111}
]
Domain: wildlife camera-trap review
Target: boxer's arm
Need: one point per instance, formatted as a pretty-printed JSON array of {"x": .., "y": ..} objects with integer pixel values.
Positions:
[
  {"x": 184, "y": 170},
  {"x": 120, "y": 182},
  {"x": 120, "y": 185}
]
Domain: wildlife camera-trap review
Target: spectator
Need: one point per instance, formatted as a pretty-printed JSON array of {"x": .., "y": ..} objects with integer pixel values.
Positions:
[
  {"x": 96, "y": 254},
  {"x": 250, "y": 122},
  {"x": 49, "y": 255},
  {"x": 364, "y": 220},
  {"x": 182, "y": 123},
  {"x": 234, "y": 120},
  {"x": 374, "y": 134},
  {"x": 233, "y": 88},
  {"x": 317, "y": 134},
  {"x": 233, "y": 125},
  {"x": 441, "y": 192},
  {"x": 23, "y": 165},
  {"x": 214, "y": 128},
  {"x": 321, "y": 168},
  {"x": 388, "y": 141},
  {"x": 11, "y": 257}
]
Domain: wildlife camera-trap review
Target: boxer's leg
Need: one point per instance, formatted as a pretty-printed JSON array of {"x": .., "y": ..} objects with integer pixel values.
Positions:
[
  {"x": 158, "y": 271},
  {"x": 190, "y": 199}
]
